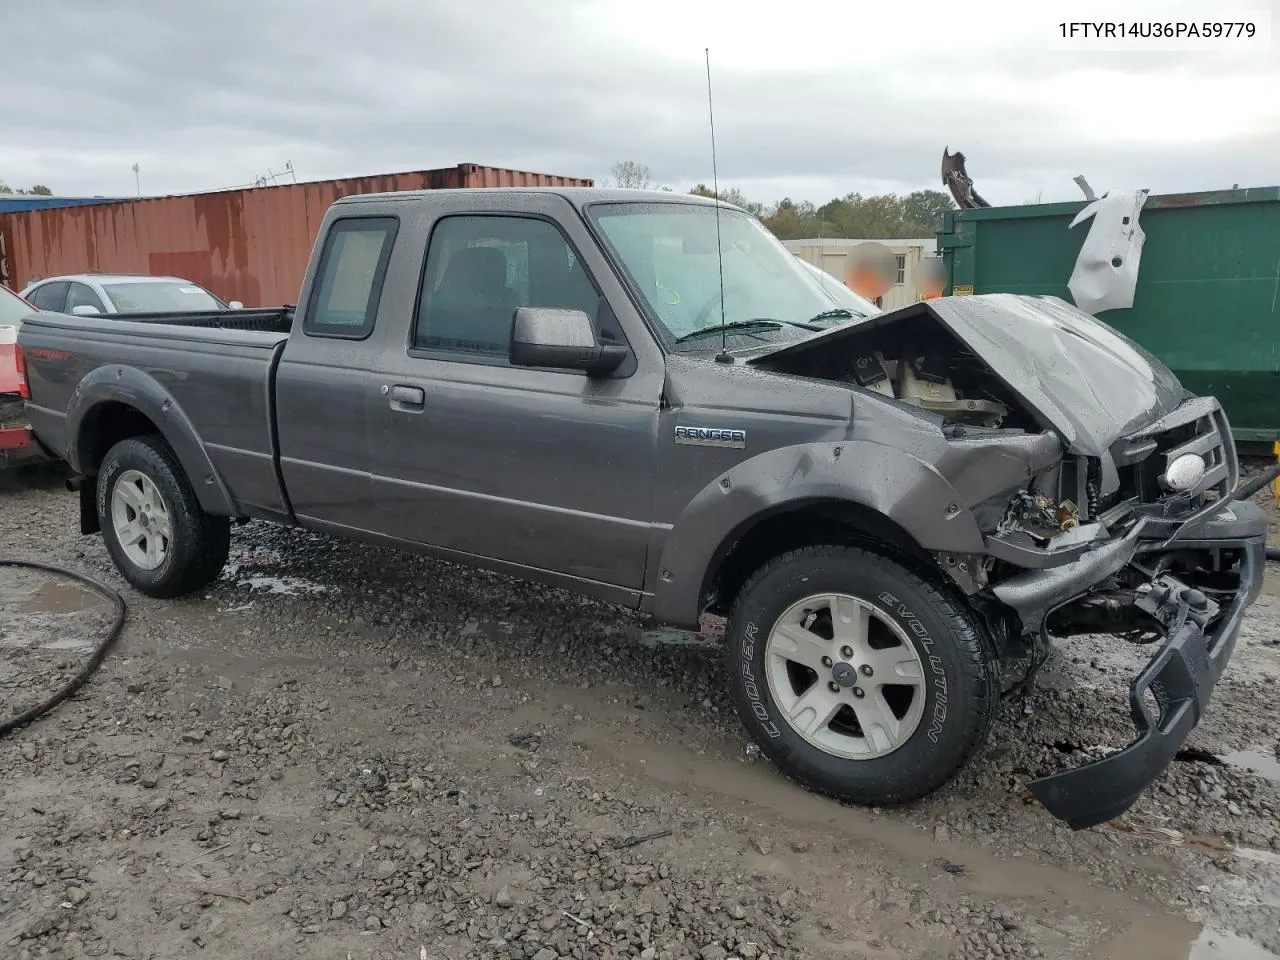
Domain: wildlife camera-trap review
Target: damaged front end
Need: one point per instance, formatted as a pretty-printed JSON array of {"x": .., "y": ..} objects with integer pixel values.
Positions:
[
  {"x": 1161, "y": 556},
  {"x": 1102, "y": 491}
]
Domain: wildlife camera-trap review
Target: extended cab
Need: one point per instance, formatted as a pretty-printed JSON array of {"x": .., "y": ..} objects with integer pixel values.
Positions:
[{"x": 639, "y": 397}]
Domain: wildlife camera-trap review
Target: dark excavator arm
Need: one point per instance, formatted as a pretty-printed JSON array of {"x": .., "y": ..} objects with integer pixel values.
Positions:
[{"x": 958, "y": 182}]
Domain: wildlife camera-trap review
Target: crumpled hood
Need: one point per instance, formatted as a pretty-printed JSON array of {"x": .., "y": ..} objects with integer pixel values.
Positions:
[{"x": 1089, "y": 382}]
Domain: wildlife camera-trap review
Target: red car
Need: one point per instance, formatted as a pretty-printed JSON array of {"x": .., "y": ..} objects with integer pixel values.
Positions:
[{"x": 16, "y": 444}]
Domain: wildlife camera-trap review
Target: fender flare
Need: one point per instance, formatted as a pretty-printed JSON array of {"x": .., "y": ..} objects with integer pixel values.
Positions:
[
  {"x": 907, "y": 490},
  {"x": 143, "y": 393}
]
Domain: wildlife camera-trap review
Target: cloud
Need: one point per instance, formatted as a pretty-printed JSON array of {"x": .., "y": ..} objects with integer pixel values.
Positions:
[{"x": 812, "y": 100}]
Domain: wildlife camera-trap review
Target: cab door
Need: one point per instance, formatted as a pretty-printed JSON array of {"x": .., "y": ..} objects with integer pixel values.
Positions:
[{"x": 541, "y": 469}]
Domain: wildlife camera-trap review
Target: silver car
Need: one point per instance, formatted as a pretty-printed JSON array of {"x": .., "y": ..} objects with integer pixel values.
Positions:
[{"x": 93, "y": 294}]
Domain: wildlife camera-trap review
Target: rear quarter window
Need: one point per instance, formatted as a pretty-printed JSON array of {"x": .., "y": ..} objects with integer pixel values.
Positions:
[{"x": 348, "y": 284}]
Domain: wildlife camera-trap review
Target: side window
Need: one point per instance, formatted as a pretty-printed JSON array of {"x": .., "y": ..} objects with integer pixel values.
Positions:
[
  {"x": 480, "y": 270},
  {"x": 348, "y": 286},
  {"x": 51, "y": 296},
  {"x": 80, "y": 295}
]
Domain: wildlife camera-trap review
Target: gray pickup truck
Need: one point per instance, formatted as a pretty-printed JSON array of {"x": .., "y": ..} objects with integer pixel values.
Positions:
[{"x": 639, "y": 397}]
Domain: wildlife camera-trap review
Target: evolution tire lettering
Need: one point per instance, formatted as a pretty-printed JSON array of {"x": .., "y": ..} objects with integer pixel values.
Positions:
[
  {"x": 938, "y": 721},
  {"x": 750, "y": 685}
]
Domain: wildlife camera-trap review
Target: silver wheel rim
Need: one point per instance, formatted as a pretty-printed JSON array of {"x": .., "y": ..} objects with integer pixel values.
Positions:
[
  {"x": 140, "y": 520},
  {"x": 846, "y": 677}
]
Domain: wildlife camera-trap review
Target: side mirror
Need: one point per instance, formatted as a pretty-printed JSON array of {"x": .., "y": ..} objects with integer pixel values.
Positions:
[
  {"x": 84, "y": 310},
  {"x": 236, "y": 305},
  {"x": 561, "y": 339}
]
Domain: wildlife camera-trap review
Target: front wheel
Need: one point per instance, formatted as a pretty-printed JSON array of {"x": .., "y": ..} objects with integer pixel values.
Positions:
[
  {"x": 857, "y": 677},
  {"x": 159, "y": 536}
]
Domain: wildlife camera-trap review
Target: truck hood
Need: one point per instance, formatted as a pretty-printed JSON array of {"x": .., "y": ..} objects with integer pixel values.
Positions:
[{"x": 1087, "y": 381}]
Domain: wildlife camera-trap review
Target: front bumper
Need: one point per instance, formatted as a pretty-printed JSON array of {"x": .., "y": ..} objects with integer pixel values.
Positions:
[{"x": 1200, "y": 636}]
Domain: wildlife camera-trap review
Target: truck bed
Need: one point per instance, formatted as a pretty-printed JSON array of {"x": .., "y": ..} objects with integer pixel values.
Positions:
[{"x": 213, "y": 370}]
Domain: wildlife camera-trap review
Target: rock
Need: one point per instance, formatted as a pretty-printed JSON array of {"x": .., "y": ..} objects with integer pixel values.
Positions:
[
  {"x": 762, "y": 845},
  {"x": 801, "y": 846},
  {"x": 714, "y": 952},
  {"x": 737, "y": 911},
  {"x": 231, "y": 813},
  {"x": 546, "y": 953},
  {"x": 77, "y": 895},
  {"x": 193, "y": 736},
  {"x": 373, "y": 923},
  {"x": 941, "y": 834},
  {"x": 220, "y": 756},
  {"x": 39, "y": 926},
  {"x": 71, "y": 757},
  {"x": 503, "y": 897},
  {"x": 384, "y": 869},
  {"x": 337, "y": 910}
]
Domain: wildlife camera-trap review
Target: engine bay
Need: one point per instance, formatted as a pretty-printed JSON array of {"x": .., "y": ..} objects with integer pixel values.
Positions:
[{"x": 917, "y": 361}]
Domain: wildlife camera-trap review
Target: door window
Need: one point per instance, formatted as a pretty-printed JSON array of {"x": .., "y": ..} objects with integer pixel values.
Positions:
[
  {"x": 480, "y": 270},
  {"x": 82, "y": 295},
  {"x": 51, "y": 296},
  {"x": 348, "y": 286}
]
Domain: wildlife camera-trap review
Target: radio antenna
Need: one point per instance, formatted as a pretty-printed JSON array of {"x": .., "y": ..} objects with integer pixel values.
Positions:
[{"x": 723, "y": 356}]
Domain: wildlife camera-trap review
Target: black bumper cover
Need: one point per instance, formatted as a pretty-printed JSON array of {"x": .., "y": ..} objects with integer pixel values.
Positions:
[{"x": 1181, "y": 676}]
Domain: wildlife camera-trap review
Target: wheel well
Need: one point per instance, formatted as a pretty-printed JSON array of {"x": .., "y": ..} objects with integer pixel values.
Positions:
[
  {"x": 806, "y": 525},
  {"x": 106, "y": 425}
]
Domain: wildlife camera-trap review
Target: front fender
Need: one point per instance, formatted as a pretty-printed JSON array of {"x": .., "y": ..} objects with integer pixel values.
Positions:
[
  {"x": 896, "y": 485},
  {"x": 133, "y": 388}
]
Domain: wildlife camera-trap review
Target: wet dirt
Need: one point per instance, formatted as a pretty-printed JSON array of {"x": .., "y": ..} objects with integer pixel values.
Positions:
[{"x": 402, "y": 756}]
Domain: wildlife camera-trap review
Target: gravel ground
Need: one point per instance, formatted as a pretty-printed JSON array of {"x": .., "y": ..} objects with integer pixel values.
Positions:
[{"x": 341, "y": 751}]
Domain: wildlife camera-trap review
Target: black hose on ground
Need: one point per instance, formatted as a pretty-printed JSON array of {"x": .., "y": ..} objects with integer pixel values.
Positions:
[
  {"x": 1273, "y": 553},
  {"x": 99, "y": 653}
]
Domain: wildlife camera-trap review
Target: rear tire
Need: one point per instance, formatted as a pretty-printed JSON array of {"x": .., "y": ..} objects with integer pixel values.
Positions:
[
  {"x": 857, "y": 677},
  {"x": 160, "y": 538}
]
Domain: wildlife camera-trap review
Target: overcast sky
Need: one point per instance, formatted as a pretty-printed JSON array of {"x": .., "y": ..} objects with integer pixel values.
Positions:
[{"x": 812, "y": 100}]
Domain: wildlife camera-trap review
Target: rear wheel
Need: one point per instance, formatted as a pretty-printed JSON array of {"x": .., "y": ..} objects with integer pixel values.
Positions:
[
  {"x": 160, "y": 538},
  {"x": 856, "y": 676}
]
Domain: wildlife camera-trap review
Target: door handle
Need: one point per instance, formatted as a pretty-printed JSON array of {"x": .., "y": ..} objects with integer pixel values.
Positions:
[{"x": 408, "y": 399}]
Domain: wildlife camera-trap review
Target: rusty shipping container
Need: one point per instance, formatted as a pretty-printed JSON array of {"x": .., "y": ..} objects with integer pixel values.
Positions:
[{"x": 249, "y": 245}]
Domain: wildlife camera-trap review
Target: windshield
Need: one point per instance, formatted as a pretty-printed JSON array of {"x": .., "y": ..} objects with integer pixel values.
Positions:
[
  {"x": 13, "y": 308},
  {"x": 176, "y": 297},
  {"x": 669, "y": 252}
]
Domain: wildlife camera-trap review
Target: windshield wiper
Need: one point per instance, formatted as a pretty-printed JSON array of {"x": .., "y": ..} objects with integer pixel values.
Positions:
[
  {"x": 833, "y": 314},
  {"x": 735, "y": 325}
]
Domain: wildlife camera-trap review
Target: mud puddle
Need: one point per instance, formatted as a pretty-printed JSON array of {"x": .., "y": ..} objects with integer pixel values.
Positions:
[
  {"x": 1256, "y": 760},
  {"x": 52, "y": 597},
  {"x": 1212, "y": 945}
]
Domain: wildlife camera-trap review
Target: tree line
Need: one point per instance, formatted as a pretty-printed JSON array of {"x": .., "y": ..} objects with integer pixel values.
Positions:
[
  {"x": 885, "y": 217},
  {"x": 39, "y": 190}
]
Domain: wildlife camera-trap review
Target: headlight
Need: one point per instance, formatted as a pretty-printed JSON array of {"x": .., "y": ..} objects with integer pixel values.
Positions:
[{"x": 1184, "y": 473}]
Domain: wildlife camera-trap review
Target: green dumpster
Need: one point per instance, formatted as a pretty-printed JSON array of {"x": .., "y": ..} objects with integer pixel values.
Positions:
[{"x": 1207, "y": 300}]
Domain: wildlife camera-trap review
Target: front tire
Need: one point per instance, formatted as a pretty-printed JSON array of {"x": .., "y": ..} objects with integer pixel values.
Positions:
[
  {"x": 158, "y": 535},
  {"x": 857, "y": 677}
]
